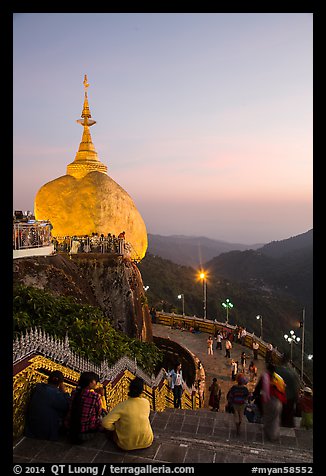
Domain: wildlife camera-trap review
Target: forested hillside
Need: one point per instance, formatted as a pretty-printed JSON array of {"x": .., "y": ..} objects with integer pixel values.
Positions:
[{"x": 166, "y": 281}]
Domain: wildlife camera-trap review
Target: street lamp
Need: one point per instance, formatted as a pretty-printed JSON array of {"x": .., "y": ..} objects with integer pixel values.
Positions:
[
  {"x": 290, "y": 339},
  {"x": 182, "y": 296},
  {"x": 203, "y": 277},
  {"x": 146, "y": 288},
  {"x": 260, "y": 318},
  {"x": 302, "y": 323},
  {"x": 227, "y": 305}
]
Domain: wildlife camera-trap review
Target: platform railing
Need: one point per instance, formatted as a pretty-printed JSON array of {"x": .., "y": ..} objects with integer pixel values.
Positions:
[{"x": 36, "y": 354}]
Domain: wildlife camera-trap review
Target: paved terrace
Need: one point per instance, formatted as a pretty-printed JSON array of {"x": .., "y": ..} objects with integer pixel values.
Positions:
[{"x": 185, "y": 436}]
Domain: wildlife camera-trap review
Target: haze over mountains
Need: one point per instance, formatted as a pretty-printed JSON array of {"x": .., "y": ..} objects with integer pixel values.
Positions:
[
  {"x": 191, "y": 250},
  {"x": 196, "y": 251}
]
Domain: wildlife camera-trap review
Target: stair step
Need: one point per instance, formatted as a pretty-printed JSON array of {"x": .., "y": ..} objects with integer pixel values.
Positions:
[{"x": 219, "y": 427}]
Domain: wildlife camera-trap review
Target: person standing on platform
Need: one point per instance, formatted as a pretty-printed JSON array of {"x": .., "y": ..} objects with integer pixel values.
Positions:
[
  {"x": 215, "y": 395},
  {"x": 210, "y": 345},
  {"x": 234, "y": 369},
  {"x": 255, "y": 348},
  {"x": 252, "y": 371},
  {"x": 177, "y": 384},
  {"x": 218, "y": 341},
  {"x": 269, "y": 354},
  {"x": 305, "y": 405},
  {"x": 243, "y": 336},
  {"x": 228, "y": 347},
  {"x": 121, "y": 242},
  {"x": 243, "y": 362},
  {"x": 153, "y": 314}
]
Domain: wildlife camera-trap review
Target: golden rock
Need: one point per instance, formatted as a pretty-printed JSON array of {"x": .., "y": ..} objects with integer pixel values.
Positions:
[{"x": 86, "y": 200}]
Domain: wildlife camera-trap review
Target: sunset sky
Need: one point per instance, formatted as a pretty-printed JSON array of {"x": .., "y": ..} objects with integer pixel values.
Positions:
[{"x": 205, "y": 119}]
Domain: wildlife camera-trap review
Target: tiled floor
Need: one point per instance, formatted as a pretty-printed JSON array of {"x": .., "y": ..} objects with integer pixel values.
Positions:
[{"x": 201, "y": 438}]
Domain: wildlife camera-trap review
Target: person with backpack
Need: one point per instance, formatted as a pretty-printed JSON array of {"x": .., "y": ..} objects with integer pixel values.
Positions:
[{"x": 237, "y": 397}]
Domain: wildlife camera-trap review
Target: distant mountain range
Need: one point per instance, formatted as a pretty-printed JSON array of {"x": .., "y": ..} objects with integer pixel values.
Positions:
[
  {"x": 283, "y": 267},
  {"x": 191, "y": 250},
  {"x": 274, "y": 280}
]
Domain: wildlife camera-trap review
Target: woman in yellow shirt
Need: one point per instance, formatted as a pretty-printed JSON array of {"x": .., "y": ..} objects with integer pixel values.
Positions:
[{"x": 130, "y": 420}]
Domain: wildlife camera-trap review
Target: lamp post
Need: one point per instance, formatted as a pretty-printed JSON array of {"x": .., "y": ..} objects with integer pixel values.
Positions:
[
  {"x": 203, "y": 278},
  {"x": 227, "y": 305},
  {"x": 302, "y": 340},
  {"x": 182, "y": 296},
  {"x": 260, "y": 318},
  {"x": 290, "y": 339}
]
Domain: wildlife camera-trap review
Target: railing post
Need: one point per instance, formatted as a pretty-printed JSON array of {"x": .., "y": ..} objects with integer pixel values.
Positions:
[{"x": 153, "y": 398}]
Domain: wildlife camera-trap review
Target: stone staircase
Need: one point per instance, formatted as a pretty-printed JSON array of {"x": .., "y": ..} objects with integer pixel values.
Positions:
[
  {"x": 211, "y": 437},
  {"x": 181, "y": 436}
]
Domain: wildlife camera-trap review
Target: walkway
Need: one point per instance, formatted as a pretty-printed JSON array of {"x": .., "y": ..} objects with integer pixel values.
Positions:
[
  {"x": 185, "y": 436},
  {"x": 215, "y": 365},
  {"x": 181, "y": 436}
]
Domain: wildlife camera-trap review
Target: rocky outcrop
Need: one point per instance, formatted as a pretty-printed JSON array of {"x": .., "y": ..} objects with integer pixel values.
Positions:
[{"x": 110, "y": 282}]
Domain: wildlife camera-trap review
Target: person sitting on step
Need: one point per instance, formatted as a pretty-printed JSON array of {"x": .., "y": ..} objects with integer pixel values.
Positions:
[
  {"x": 85, "y": 412},
  {"x": 47, "y": 408},
  {"x": 129, "y": 420}
]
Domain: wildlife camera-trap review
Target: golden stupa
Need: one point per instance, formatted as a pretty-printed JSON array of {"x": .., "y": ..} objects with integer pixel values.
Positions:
[{"x": 86, "y": 200}]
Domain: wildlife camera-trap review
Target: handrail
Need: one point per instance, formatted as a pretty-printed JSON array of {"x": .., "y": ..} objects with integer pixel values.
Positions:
[
  {"x": 204, "y": 323},
  {"x": 36, "y": 341}
]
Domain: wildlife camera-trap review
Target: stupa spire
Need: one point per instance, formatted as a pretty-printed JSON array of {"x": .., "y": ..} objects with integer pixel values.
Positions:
[
  {"x": 86, "y": 159},
  {"x": 86, "y": 112}
]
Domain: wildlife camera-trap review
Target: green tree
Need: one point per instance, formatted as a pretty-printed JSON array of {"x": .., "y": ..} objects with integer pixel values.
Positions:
[{"x": 90, "y": 332}]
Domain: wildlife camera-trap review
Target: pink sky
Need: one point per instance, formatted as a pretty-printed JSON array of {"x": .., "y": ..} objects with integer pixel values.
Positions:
[{"x": 208, "y": 128}]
